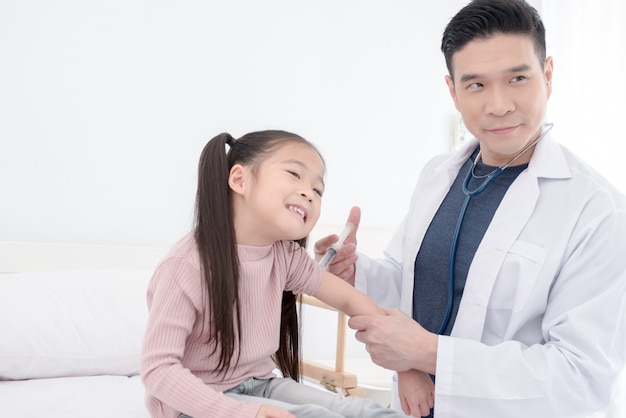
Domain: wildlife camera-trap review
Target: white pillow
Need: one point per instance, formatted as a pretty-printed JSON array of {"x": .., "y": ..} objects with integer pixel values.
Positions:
[{"x": 72, "y": 323}]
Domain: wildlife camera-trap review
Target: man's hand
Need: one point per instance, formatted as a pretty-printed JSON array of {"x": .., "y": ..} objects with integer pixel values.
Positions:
[
  {"x": 396, "y": 341},
  {"x": 343, "y": 263}
]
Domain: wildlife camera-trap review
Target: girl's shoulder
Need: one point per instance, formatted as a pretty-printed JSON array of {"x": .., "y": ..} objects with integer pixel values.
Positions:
[
  {"x": 185, "y": 247},
  {"x": 182, "y": 256},
  {"x": 290, "y": 250},
  {"x": 302, "y": 271}
]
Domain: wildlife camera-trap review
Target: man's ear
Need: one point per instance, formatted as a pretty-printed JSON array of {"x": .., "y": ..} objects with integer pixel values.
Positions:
[
  {"x": 452, "y": 90},
  {"x": 236, "y": 178},
  {"x": 548, "y": 68}
]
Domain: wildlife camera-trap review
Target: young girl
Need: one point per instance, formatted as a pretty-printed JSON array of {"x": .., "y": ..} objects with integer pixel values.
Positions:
[{"x": 222, "y": 302}]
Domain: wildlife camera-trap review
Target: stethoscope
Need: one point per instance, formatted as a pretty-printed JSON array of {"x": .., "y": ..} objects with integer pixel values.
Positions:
[{"x": 489, "y": 178}]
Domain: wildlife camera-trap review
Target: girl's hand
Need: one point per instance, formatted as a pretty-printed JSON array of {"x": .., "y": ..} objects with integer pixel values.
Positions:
[
  {"x": 417, "y": 392},
  {"x": 267, "y": 411}
]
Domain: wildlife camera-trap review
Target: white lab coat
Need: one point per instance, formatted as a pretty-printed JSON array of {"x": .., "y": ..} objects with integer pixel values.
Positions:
[{"x": 541, "y": 328}]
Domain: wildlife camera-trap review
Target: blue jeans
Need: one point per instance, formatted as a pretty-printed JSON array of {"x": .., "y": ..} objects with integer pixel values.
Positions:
[{"x": 305, "y": 401}]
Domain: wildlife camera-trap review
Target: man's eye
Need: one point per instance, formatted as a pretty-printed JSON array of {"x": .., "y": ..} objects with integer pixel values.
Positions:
[
  {"x": 518, "y": 78},
  {"x": 475, "y": 86}
]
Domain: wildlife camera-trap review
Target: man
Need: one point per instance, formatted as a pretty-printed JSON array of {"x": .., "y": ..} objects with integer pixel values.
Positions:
[{"x": 509, "y": 269}]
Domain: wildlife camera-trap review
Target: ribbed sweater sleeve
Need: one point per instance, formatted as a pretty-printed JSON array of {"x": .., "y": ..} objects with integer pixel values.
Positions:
[{"x": 177, "y": 362}]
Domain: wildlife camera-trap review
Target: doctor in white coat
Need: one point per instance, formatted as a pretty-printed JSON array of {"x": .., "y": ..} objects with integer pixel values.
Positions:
[{"x": 537, "y": 312}]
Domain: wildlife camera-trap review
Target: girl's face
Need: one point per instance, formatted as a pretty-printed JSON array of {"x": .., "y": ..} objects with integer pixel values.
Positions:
[{"x": 279, "y": 200}]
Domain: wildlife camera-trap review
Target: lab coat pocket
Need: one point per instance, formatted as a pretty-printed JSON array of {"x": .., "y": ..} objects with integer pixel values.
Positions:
[{"x": 517, "y": 277}]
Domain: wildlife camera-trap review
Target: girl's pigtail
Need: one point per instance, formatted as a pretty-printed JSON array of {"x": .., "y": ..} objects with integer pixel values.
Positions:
[
  {"x": 217, "y": 247},
  {"x": 288, "y": 357}
]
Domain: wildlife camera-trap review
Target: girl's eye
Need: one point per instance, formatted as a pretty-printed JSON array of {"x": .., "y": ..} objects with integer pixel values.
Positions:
[
  {"x": 294, "y": 174},
  {"x": 318, "y": 191}
]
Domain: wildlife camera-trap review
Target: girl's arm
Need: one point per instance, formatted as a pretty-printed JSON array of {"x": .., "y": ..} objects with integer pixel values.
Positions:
[
  {"x": 417, "y": 392},
  {"x": 338, "y": 294}
]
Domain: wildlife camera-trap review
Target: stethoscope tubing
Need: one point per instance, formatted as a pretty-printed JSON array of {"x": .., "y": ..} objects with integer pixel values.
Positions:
[{"x": 457, "y": 231}]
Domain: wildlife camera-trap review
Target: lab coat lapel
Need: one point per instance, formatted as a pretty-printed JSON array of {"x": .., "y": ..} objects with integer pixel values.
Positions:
[
  {"x": 513, "y": 213},
  {"x": 431, "y": 190},
  {"x": 503, "y": 230},
  {"x": 435, "y": 186}
]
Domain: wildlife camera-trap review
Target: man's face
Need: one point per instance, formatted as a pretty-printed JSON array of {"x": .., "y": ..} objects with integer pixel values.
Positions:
[{"x": 502, "y": 91}]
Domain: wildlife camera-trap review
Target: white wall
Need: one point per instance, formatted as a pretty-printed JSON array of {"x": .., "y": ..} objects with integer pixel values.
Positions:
[
  {"x": 106, "y": 106},
  {"x": 586, "y": 40}
]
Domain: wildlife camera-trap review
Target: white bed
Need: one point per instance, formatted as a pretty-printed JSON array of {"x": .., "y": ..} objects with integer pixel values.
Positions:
[
  {"x": 64, "y": 397},
  {"x": 71, "y": 322},
  {"x": 71, "y": 329}
]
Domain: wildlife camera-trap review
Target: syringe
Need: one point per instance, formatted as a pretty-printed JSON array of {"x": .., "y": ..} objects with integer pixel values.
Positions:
[{"x": 332, "y": 251}]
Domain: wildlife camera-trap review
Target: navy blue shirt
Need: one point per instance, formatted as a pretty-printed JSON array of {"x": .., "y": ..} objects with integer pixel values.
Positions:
[{"x": 430, "y": 290}]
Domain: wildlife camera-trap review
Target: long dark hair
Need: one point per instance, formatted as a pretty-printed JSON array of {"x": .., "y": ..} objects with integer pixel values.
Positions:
[{"x": 217, "y": 246}]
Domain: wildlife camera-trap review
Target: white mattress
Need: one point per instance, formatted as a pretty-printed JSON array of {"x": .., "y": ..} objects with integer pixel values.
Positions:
[
  {"x": 65, "y": 397},
  {"x": 93, "y": 397}
]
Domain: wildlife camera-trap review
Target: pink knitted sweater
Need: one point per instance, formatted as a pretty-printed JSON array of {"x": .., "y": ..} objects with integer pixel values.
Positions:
[{"x": 177, "y": 366}]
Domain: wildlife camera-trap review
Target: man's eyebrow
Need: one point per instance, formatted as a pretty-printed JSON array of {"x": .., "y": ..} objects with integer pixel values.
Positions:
[
  {"x": 467, "y": 77},
  {"x": 518, "y": 68}
]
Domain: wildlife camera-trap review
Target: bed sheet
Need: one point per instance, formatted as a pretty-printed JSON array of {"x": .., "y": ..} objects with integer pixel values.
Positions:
[{"x": 65, "y": 397}]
